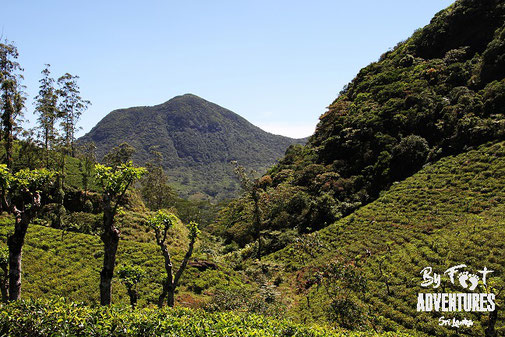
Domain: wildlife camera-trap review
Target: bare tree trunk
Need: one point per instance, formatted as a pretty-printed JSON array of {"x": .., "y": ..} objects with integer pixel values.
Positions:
[
  {"x": 110, "y": 238},
  {"x": 168, "y": 289},
  {"x": 171, "y": 282},
  {"x": 171, "y": 296},
  {"x": 15, "y": 242},
  {"x": 164, "y": 293}
]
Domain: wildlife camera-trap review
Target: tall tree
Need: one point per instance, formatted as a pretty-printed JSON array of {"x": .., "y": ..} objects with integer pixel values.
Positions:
[
  {"x": 23, "y": 200},
  {"x": 71, "y": 107},
  {"x": 161, "y": 222},
  {"x": 114, "y": 183},
  {"x": 12, "y": 97},
  {"x": 47, "y": 110},
  {"x": 118, "y": 155}
]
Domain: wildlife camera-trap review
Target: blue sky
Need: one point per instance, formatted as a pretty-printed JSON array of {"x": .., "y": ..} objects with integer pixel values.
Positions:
[{"x": 279, "y": 63}]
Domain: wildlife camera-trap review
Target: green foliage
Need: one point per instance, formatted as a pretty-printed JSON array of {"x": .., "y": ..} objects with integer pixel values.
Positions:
[
  {"x": 439, "y": 93},
  {"x": 87, "y": 162},
  {"x": 60, "y": 318},
  {"x": 162, "y": 221},
  {"x": 6, "y": 177},
  {"x": 33, "y": 180},
  {"x": 121, "y": 154},
  {"x": 450, "y": 212},
  {"x": 12, "y": 97},
  {"x": 25, "y": 179},
  {"x": 156, "y": 191},
  {"x": 130, "y": 275},
  {"x": 194, "y": 231},
  {"x": 116, "y": 180},
  {"x": 47, "y": 110},
  {"x": 61, "y": 263},
  {"x": 197, "y": 140},
  {"x": 70, "y": 108},
  {"x": 4, "y": 256}
]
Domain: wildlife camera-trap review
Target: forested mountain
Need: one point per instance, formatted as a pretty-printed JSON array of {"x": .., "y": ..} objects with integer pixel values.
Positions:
[
  {"x": 197, "y": 139},
  {"x": 438, "y": 93}
]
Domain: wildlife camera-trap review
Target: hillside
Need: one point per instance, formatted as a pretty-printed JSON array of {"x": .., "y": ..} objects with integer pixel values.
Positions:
[
  {"x": 440, "y": 92},
  {"x": 449, "y": 213},
  {"x": 67, "y": 264},
  {"x": 60, "y": 318},
  {"x": 198, "y": 140}
]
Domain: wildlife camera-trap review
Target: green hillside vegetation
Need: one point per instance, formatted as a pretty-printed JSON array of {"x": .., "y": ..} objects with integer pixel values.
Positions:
[
  {"x": 197, "y": 140},
  {"x": 438, "y": 93},
  {"x": 406, "y": 170},
  {"x": 58, "y": 318},
  {"x": 449, "y": 213},
  {"x": 59, "y": 263}
]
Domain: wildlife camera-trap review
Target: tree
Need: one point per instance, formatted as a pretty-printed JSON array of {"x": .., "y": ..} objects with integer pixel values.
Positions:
[
  {"x": 253, "y": 189},
  {"x": 71, "y": 107},
  {"x": 22, "y": 198},
  {"x": 46, "y": 107},
  {"x": 12, "y": 97},
  {"x": 114, "y": 183},
  {"x": 343, "y": 281},
  {"x": 120, "y": 154},
  {"x": 130, "y": 276},
  {"x": 161, "y": 222},
  {"x": 156, "y": 191},
  {"x": 87, "y": 162}
]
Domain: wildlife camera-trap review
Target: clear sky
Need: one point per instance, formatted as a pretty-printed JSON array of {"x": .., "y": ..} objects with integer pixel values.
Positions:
[{"x": 277, "y": 63}]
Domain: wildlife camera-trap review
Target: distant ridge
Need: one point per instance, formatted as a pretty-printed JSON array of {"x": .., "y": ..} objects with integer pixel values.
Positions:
[{"x": 197, "y": 139}]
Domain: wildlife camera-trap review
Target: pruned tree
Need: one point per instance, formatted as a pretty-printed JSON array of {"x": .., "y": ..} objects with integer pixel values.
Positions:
[
  {"x": 114, "y": 183},
  {"x": 130, "y": 276},
  {"x": 46, "y": 106},
  {"x": 253, "y": 190},
  {"x": 71, "y": 107},
  {"x": 160, "y": 223},
  {"x": 12, "y": 97},
  {"x": 22, "y": 198}
]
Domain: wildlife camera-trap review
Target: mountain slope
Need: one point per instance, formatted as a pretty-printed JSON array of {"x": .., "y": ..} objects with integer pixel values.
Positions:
[
  {"x": 447, "y": 214},
  {"x": 57, "y": 263},
  {"x": 197, "y": 139},
  {"x": 441, "y": 92}
]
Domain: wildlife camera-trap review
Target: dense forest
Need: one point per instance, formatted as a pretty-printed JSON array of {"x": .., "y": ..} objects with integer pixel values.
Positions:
[
  {"x": 194, "y": 141},
  {"x": 405, "y": 170}
]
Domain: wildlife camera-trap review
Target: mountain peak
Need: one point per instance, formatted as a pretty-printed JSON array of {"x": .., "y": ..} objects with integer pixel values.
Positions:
[{"x": 197, "y": 138}]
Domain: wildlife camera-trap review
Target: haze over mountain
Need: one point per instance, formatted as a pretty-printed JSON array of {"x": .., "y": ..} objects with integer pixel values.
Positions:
[{"x": 198, "y": 140}]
